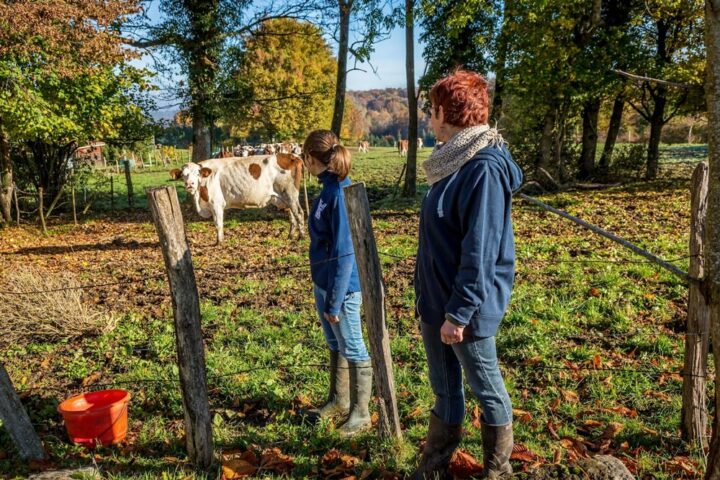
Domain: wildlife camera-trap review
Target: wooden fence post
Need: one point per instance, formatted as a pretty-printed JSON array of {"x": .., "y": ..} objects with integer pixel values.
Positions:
[
  {"x": 169, "y": 224},
  {"x": 128, "y": 181},
  {"x": 41, "y": 209},
  {"x": 368, "y": 262},
  {"x": 17, "y": 205},
  {"x": 112, "y": 193},
  {"x": 693, "y": 425},
  {"x": 72, "y": 197},
  {"x": 16, "y": 421}
]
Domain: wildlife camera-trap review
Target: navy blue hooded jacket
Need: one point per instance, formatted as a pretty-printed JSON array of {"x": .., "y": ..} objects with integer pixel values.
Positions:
[
  {"x": 466, "y": 256},
  {"x": 330, "y": 238}
]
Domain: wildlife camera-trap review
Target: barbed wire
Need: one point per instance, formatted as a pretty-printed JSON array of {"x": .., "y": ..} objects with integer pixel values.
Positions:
[{"x": 282, "y": 366}]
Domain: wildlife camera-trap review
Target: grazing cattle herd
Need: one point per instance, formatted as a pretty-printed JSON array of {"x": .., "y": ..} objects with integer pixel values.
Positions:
[{"x": 249, "y": 176}]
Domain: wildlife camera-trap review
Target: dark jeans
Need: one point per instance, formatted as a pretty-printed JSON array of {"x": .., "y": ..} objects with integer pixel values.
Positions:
[{"x": 478, "y": 358}]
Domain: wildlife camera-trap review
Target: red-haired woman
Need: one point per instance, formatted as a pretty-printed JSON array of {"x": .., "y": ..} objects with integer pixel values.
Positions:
[{"x": 464, "y": 273}]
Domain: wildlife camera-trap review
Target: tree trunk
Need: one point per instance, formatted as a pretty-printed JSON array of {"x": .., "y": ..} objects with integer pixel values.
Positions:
[
  {"x": 502, "y": 47},
  {"x": 545, "y": 154},
  {"x": 712, "y": 225},
  {"x": 202, "y": 51},
  {"x": 341, "y": 82},
  {"x": 590, "y": 113},
  {"x": 657, "y": 122},
  {"x": 613, "y": 131},
  {"x": 6, "y": 178},
  {"x": 409, "y": 188}
]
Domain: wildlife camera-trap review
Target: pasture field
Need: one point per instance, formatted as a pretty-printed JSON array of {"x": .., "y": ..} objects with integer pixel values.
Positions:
[{"x": 588, "y": 346}]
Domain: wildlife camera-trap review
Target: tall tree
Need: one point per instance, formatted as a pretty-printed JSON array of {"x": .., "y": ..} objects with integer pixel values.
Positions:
[
  {"x": 281, "y": 84},
  {"x": 410, "y": 186},
  {"x": 373, "y": 25},
  {"x": 45, "y": 48},
  {"x": 193, "y": 37},
  {"x": 712, "y": 225},
  {"x": 670, "y": 47}
]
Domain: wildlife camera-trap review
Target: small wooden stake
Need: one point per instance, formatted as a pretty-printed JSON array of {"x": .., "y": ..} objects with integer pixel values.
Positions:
[
  {"x": 16, "y": 421},
  {"x": 368, "y": 262},
  {"x": 41, "y": 209},
  {"x": 17, "y": 205},
  {"x": 167, "y": 216},
  {"x": 693, "y": 426},
  {"x": 128, "y": 181},
  {"x": 72, "y": 197}
]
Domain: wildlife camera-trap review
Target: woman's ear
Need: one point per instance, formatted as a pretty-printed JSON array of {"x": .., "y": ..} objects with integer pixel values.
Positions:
[{"x": 440, "y": 114}]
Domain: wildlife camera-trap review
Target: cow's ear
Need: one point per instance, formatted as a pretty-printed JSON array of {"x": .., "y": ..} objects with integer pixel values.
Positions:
[
  {"x": 175, "y": 173},
  {"x": 205, "y": 172}
]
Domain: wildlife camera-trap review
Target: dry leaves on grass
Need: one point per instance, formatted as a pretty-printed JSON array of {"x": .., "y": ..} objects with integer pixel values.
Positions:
[
  {"x": 336, "y": 465},
  {"x": 464, "y": 465},
  {"x": 244, "y": 464}
]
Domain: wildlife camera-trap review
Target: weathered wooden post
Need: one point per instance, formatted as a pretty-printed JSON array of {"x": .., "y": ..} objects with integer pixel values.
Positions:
[
  {"x": 16, "y": 421},
  {"x": 169, "y": 224},
  {"x": 693, "y": 426},
  {"x": 112, "y": 193},
  {"x": 17, "y": 205},
  {"x": 128, "y": 181},
  {"x": 368, "y": 262},
  {"x": 72, "y": 197},
  {"x": 41, "y": 210}
]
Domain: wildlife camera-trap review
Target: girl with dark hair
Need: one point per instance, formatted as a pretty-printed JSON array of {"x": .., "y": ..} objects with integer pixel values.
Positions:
[{"x": 337, "y": 285}]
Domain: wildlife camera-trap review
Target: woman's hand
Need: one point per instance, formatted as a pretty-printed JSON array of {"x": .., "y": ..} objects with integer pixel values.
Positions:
[
  {"x": 331, "y": 318},
  {"x": 451, "y": 333}
]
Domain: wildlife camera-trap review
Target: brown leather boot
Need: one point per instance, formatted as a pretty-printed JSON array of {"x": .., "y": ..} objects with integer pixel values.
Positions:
[
  {"x": 338, "y": 401},
  {"x": 442, "y": 440},
  {"x": 497, "y": 448}
]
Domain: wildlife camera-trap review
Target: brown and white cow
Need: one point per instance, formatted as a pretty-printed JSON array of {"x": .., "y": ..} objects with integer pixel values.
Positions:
[
  {"x": 244, "y": 182},
  {"x": 363, "y": 146},
  {"x": 403, "y": 148}
]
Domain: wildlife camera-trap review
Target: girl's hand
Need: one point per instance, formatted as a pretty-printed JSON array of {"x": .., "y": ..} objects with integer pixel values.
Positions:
[
  {"x": 451, "y": 333},
  {"x": 331, "y": 318}
]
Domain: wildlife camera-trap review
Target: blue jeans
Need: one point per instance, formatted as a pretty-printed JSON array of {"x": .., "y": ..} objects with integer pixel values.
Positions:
[
  {"x": 344, "y": 336},
  {"x": 478, "y": 358}
]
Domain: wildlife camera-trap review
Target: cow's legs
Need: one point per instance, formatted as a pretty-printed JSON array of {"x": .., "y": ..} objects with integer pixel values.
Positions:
[
  {"x": 218, "y": 216},
  {"x": 297, "y": 211}
]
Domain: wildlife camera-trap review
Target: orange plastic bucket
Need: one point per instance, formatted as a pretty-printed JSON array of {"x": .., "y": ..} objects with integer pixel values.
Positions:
[{"x": 96, "y": 418}]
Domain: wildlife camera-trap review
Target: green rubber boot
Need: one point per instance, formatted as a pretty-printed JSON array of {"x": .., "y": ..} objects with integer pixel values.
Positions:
[
  {"x": 338, "y": 401},
  {"x": 360, "y": 391}
]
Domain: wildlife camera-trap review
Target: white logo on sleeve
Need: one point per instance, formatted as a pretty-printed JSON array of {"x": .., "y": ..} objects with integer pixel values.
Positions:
[{"x": 321, "y": 206}]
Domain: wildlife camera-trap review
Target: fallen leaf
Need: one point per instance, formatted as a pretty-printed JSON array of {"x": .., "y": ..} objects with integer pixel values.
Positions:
[
  {"x": 593, "y": 423},
  {"x": 553, "y": 431},
  {"x": 522, "y": 454},
  {"x": 570, "y": 396},
  {"x": 596, "y": 362},
  {"x": 416, "y": 413},
  {"x": 522, "y": 416},
  {"x": 273, "y": 459},
  {"x": 475, "y": 417},
  {"x": 464, "y": 465},
  {"x": 335, "y": 464},
  {"x": 237, "y": 468},
  {"x": 555, "y": 404},
  {"x": 624, "y": 411},
  {"x": 595, "y": 292},
  {"x": 612, "y": 430},
  {"x": 90, "y": 379}
]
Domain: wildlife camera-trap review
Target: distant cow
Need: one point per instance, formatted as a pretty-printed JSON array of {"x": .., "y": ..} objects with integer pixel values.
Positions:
[
  {"x": 403, "y": 147},
  {"x": 248, "y": 182},
  {"x": 420, "y": 144},
  {"x": 363, "y": 146}
]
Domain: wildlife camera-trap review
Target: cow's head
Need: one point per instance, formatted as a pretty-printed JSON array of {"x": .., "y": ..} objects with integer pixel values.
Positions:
[{"x": 193, "y": 175}]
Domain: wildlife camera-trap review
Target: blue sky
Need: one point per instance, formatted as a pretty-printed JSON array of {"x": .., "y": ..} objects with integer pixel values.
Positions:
[{"x": 389, "y": 59}]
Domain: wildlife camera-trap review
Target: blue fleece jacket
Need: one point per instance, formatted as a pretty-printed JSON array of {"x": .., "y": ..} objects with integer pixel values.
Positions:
[
  {"x": 466, "y": 256},
  {"x": 330, "y": 238}
]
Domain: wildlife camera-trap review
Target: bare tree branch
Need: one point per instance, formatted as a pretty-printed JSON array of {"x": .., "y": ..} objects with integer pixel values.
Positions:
[{"x": 640, "y": 78}]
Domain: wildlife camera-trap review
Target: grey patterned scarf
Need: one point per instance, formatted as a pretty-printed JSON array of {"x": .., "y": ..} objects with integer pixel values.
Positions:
[{"x": 449, "y": 157}]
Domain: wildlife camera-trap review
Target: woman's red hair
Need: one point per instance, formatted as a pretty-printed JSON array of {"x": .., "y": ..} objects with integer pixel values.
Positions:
[{"x": 464, "y": 97}]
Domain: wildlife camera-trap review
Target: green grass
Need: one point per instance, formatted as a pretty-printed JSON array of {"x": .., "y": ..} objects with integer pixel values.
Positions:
[{"x": 263, "y": 341}]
